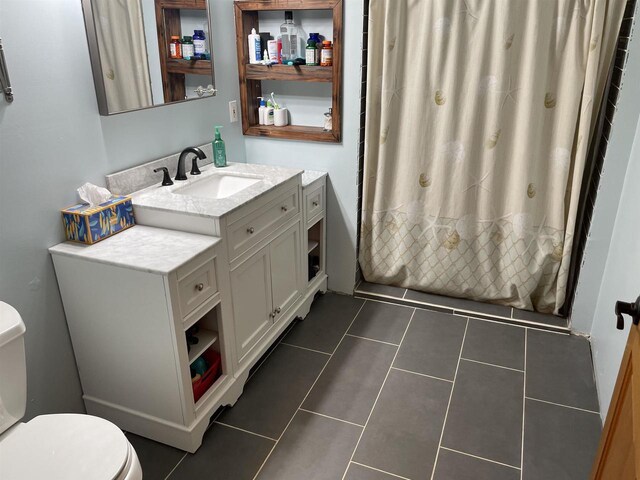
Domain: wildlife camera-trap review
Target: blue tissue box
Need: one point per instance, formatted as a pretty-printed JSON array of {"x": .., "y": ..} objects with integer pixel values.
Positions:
[{"x": 86, "y": 224}]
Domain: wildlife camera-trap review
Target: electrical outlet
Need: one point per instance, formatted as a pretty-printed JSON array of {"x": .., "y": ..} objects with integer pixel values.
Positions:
[{"x": 233, "y": 111}]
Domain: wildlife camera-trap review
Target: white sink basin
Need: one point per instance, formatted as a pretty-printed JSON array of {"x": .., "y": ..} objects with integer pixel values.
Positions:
[{"x": 217, "y": 186}]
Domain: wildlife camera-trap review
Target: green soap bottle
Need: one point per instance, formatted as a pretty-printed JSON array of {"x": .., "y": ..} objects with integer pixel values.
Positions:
[{"x": 219, "y": 150}]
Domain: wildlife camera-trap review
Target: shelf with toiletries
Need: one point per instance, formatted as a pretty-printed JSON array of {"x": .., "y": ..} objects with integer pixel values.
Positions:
[{"x": 316, "y": 59}]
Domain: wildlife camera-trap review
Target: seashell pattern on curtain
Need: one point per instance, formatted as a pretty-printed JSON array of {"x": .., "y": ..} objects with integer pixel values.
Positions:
[{"x": 479, "y": 115}]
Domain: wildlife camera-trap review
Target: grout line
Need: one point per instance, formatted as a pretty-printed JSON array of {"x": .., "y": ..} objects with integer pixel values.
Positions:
[
  {"x": 304, "y": 348},
  {"x": 405, "y": 293},
  {"x": 493, "y": 364},
  {"x": 512, "y": 311},
  {"x": 378, "y": 396},
  {"x": 480, "y": 458},
  {"x": 381, "y": 298},
  {"x": 524, "y": 402},
  {"x": 378, "y": 470},
  {"x": 329, "y": 416},
  {"x": 444, "y": 423},
  {"x": 308, "y": 392},
  {"x": 562, "y": 405},
  {"x": 421, "y": 374},
  {"x": 372, "y": 340},
  {"x": 177, "y": 464},
  {"x": 245, "y": 431}
]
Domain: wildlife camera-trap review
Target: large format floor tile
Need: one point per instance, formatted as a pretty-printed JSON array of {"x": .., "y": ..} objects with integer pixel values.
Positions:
[
  {"x": 432, "y": 344},
  {"x": 274, "y": 393},
  {"x": 327, "y": 322},
  {"x": 157, "y": 459},
  {"x": 350, "y": 383},
  {"x": 404, "y": 430},
  {"x": 382, "y": 321},
  {"x": 312, "y": 447},
  {"x": 495, "y": 343},
  {"x": 559, "y": 370},
  {"x": 485, "y": 415},
  {"x": 559, "y": 442},
  {"x": 225, "y": 453},
  {"x": 457, "y": 466},
  {"x": 358, "y": 472}
]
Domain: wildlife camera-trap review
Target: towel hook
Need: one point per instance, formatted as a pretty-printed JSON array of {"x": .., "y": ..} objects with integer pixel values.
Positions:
[{"x": 5, "y": 83}]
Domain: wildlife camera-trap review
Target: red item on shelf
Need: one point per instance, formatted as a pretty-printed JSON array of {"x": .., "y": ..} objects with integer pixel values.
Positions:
[{"x": 214, "y": 361}]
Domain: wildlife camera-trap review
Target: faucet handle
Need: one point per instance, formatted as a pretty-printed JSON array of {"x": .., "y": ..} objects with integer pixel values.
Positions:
[
  {"x": 166, "y": 179},
  {"x": 194, "y": 166}
]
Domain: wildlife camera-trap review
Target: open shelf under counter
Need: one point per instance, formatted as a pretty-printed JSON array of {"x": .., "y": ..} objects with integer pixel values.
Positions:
[
  {"x": 206, "y": 338},
  {"x": 299, "y": 132},
  {"x": 295, "y": 73}
]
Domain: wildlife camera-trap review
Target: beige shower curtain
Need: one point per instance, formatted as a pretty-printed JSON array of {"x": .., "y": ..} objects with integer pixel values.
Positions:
[
  {"x": 479, "y": 117},
  {"x": 123, "y": 54}
]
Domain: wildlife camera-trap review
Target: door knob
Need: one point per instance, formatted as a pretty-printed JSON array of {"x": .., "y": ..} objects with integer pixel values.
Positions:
[
  {"x": 250, "y": 230},
  {"x": 631, "y": 309},
  {"x": 278, "y": 310},
  {"x": 200, "y": 287}
]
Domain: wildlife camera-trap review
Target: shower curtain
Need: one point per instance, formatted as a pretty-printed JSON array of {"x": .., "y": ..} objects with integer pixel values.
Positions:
[
  {"x": 478, "y": 121},
  {"x": 123, "y": 54}
]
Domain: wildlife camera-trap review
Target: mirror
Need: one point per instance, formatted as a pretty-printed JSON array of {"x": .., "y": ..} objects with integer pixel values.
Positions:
[{"x": 146, "y": 53}]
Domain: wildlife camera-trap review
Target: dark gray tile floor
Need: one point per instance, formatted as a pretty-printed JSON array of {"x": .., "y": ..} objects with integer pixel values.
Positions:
[{"x": 363, "y": 390}]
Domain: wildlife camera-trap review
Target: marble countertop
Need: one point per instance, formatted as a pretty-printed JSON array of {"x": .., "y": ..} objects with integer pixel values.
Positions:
[
  {"x": 310, "y": 176},
  {"x": 149, "y": 249},
  {"x": 163, "y": 198}
]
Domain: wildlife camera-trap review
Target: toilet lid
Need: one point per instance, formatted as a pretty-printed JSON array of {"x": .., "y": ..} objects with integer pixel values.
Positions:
[{"x": 65, "y": 447}]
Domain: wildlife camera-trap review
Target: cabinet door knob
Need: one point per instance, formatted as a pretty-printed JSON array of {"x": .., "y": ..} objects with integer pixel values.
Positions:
[
  {"x": 315, "y": 204},
  {"x": 284, "y": 208},
  {"x": 278, "y": 310},
  {"x": 200, "y": 287},
  {"x": 272, "y": 314},
  {"x": 250, "y": 230}
]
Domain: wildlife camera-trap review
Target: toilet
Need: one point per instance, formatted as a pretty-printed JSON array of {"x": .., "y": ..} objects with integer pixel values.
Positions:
[{"x": 55, "y": 447}]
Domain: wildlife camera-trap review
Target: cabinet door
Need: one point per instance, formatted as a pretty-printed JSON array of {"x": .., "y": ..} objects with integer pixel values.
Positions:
[
  {"x": 286, "y": 269},
  {"x": 252, "y": 307}
]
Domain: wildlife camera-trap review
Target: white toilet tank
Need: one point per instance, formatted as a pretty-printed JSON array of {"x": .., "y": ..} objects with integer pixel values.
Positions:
[{"x": 13, "y": 367}]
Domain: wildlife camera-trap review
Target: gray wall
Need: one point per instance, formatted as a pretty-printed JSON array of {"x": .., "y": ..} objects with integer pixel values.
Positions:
[
  {"x": 339, "y": 160},
  {"x": 51, "y": 141}
]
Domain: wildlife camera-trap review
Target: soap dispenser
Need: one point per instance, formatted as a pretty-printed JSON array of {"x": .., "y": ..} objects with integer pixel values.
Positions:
[{"x": 219, "y": 150}]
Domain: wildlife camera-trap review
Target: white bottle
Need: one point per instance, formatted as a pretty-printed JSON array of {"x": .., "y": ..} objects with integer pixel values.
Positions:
[
  {"x": 262, "y": 112},
  {"x": 255, "y": 56},
  {"x": 268, "y": 116}
]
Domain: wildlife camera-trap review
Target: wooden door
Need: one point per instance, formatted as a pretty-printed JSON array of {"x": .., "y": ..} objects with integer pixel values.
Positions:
[
  {"x": 286, "y": 270},
  {"x": 619, "y": 451},
  {"x": 252, "y": 307}
]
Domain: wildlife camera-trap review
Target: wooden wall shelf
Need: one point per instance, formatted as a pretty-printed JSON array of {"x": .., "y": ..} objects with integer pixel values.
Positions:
[
  {"x": 251, "y": 76},
  {"x": 192, "y": 67},
  {"x": 302, "y": 73}
]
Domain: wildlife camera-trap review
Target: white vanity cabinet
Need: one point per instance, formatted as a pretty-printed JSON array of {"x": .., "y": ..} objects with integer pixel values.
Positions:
[{"x": 129, "y": 301}]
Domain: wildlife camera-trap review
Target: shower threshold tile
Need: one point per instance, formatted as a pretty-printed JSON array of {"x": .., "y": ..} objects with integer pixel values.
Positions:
[
  {"x": 543, "y": 318},
  {"x": 379, "y": 289},
  {"x": 459, "y": 304}
]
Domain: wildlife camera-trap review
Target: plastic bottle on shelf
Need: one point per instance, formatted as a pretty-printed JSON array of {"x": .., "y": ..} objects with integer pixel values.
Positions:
[
  {"x": 187, "y": 48},
  {"x": 199, "y": 44},
  {"x": 269, "y": 120},
  {"x": 262, "y": 111},
  {"x": 311, "y": 52},
  {"x": 175, "y": 47},
  {"x": 255, "y": 55},
  {"x": 289, "y": 32},
  {"x": 326, "y": 54}
]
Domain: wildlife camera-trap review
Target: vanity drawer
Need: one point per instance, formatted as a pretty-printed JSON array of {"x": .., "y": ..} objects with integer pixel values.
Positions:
[
  {"x": 314, "y": 203},
  {"x": 197, "y": 286},
  {"x": 256, "y": 226}
]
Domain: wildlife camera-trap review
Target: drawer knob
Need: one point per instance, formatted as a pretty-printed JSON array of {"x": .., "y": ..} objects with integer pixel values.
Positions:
[
  {"x": 250, "y": 230},
  {"x": 315, "y": 204},
  {"x": 284, "y": 208},
  {"x": 200, "y": 287},
  {"x": 278, "y": 310}
]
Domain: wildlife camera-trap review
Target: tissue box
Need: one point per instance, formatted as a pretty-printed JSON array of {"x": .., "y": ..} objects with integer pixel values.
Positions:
[{"x": 86, "y": 224}]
